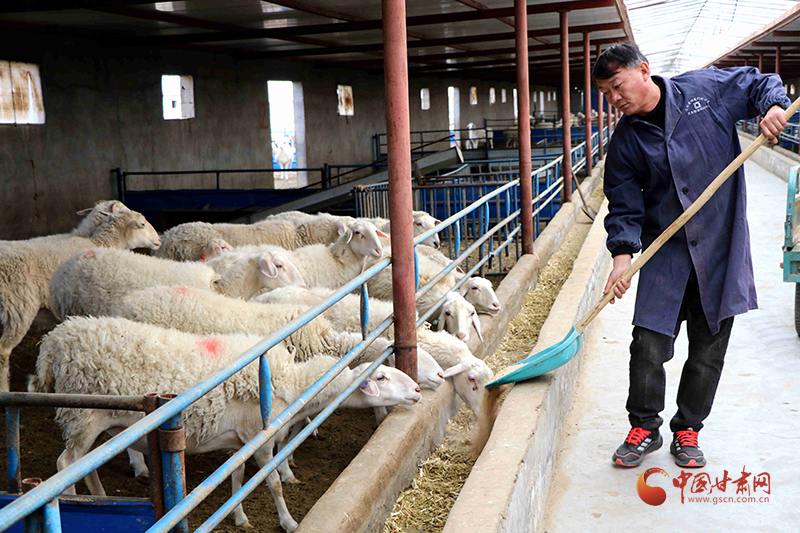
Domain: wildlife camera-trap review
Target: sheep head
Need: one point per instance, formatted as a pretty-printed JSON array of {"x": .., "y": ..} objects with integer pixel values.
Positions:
[
  {"x": 457, "y": 315},
  {"x": 480, "y": 293},
  {"x": 364, "y": 239},
  {"x": 424, "y": 222}
]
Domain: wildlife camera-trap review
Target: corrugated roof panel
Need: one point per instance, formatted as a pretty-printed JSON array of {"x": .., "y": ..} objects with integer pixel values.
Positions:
[{"x": 681, "y": 35}]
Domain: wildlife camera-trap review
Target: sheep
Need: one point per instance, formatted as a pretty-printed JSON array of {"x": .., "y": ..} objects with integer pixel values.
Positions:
[
  {"x": 296, "y": 217},
  {"x": 93, "y": 217},
  {"x": 27, "y": 268},
  {"x": 422, "y": 223},
  {"x": 117, "y": 356},
  {"x": 469, "y": 373},
  {"x": 480, "y": 293},
  {"x": 185, "y": 241},
  {"x": 322, "y": 229},
  {"x": 326, "y": 266},
  {"x": 455, "y": 317},
  {"x": 200, "y": 311},
  {"x": 214, "y": 248},
  {"x": 283, "y": 152},
  {"x": 89, "y": 283}
]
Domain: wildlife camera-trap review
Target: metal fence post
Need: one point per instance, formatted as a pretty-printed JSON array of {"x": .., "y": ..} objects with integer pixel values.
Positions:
[
  {"x": 33, "y": 522},
  {"x": 12, "y": 450},
  {"x": 172, "y": 441}
]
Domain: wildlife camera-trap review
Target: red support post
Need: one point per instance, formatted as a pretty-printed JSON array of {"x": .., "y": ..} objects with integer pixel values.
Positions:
[
  {"x": 600, "y": 113},
  {"x": 608, "y": 109},
  {"x": 524, "y": 125},
  {"x": 587, "y": 99},
  {"x": 778, "y": 60},
  {"x": 398, "y": 140},
  {"x": 566, "y": 124}
]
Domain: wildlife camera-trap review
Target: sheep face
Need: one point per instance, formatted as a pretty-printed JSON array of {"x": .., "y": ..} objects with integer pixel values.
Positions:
[
  {"x": 479, "y": 292},
  {"x": 278, "y": 271},
  {"x": 429, "y": 373},
  {"x": 137, "y": 231},
  {"x": 469, "y": 381},
  {"x": 424, "y": 222},
  {"x": 214, "y": 248},
  {"x": 387, "y": 386},
  {"x": 364, "y": 239},
  {"x": 457, "y": 316}
]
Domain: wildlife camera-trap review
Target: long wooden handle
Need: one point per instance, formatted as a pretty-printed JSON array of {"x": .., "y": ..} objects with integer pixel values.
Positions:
[{"x": 681, "y": 220}]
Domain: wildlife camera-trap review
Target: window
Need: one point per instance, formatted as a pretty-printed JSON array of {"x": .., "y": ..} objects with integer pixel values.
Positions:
[
  {"x": 516, "y": 109},
  {"x": 792, "y": 88},
  {"x": 345, "y": 93},
  {"x": 20, "y": 94},
  {"x": 473, "y": 96},
  {"x": 502, "y": 96},
  {"x": 548, "y": 96},
  {"x": 492, "y": 96},
  {"x": 425, "y": 98},
  {"x": 534, "y": 97},
  {"x": 178, "y": 97}
]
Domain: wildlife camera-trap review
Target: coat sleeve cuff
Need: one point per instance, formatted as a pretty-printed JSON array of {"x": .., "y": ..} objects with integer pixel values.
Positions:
[
  {"x": 780, "y": 100},
  {"x": 623, "y": 249}
]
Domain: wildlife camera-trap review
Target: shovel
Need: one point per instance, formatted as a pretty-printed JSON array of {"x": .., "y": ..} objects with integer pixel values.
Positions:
[{"x": 561, "y": 352}]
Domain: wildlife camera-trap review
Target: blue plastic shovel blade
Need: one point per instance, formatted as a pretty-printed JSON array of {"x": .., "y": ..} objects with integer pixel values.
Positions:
[{"x": 541, "y": 362}]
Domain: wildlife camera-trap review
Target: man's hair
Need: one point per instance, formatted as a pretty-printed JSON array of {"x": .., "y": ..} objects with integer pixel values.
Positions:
[{"x": 626, "y": 55}]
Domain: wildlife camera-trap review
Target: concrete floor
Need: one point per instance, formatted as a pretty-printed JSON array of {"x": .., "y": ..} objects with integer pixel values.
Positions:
[{"x": 754, "y": 425}]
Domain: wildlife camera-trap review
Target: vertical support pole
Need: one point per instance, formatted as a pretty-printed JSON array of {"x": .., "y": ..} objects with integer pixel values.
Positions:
[
  {"x": 524, "y": 124},
  {"x": 12, "y": 450},
  {"x": 566, "y": 125},
  {"x": 34, "y": 522},
  {"x": 778, "y": 60},
  {"x": 587, "y": 99},
  {"x": 154, "y": 460},
  {"x": 172, "y": 441},
  {"x": 52, "y": 517},
  {"x": 398, "y": 133},
  {"x": 600, "y": 114},
  {"x": 264, "y": 390}
]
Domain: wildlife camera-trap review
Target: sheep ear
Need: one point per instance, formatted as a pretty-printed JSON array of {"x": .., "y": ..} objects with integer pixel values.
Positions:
[
  {"x": 83, "y": 212},
  {"x": 477, "y": 323},
  {"x": 370, "y": 388},
  {"x": 454, "y": 370},
  {"x": 349, "y": 235},
  {"x": 382, "y": 234},
  {"x": 341, "y": 227},
  {"x": 438, "y": 324},
  {"x": 463, "y": 290},
  {"x": 267, "y": 267}
]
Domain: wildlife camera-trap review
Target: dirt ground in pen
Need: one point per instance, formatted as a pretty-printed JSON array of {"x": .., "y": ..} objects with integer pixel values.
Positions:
[{"x": 319, "y": 461}]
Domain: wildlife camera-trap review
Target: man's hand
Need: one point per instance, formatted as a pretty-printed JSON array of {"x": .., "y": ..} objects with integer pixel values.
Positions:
[
  {"x": 773, "y": 123},
  {"x": 621, "y": 263}
]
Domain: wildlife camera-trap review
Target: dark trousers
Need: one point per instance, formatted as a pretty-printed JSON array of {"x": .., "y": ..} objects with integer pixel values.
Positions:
[{"x": 701, "y": 372}]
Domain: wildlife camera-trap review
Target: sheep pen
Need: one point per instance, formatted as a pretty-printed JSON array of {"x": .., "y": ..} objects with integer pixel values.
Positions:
[
  {"x": 319, "y": 461},
  {"x": 426, "y": 504}
]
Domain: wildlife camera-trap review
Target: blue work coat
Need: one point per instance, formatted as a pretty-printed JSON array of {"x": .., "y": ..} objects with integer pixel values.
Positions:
[{"x": 653, "y": 175}]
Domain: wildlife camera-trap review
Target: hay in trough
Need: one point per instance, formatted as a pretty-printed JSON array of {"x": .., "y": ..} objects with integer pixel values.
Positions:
[{"x": 425, "y": 506}]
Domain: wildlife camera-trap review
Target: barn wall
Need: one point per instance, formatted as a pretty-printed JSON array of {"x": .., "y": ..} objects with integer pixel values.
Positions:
[{"x": 103, "y": 110}]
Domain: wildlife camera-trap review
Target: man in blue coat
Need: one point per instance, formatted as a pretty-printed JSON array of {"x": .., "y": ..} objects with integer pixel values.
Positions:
[{"x": 676, "y": 135}]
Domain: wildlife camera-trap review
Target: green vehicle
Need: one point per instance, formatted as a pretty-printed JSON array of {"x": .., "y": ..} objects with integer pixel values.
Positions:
[{"x": 791, "y": 247}]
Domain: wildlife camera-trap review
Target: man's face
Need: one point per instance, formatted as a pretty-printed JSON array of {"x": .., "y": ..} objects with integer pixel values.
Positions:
[{"x": 627, "y": 89}]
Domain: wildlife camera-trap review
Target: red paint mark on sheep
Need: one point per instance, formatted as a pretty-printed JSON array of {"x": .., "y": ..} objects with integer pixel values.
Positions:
[
  {"x": 211, "y": 345},
  {"x": 88, "y": 253},
  {"x": 176, "y": 291}
]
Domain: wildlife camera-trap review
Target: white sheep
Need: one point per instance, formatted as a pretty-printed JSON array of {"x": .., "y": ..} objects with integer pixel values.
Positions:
[
  {"x": 322, "y": 228},
  {"x": 185, "y": 241},
  {"x": 93, "y": 217},
  {"x": 422, "y": 222},
  {"x": 329, "y": 266},
  {"x": 456, "y": 315},
  {"x": 89, "y": 283},
  {"x": 27, "y": 268},
  {"x": 480, "y": 293},
  {"x": 283, "y": 152},
  {"x": 214, "y": 248},
  {"x": 469, "y": 373},
  {"x": 117, "y": 356}
]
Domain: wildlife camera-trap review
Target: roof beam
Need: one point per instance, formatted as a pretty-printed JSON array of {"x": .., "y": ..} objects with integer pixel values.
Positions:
[
  {"x": 315, "y": 29},
  {"x": 426, "y": 43}
]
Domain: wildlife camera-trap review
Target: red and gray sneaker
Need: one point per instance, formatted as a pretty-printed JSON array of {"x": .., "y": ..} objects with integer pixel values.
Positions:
[
  {"x": 684, "y": 448},
  {"x": 638, "y": 443}
]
